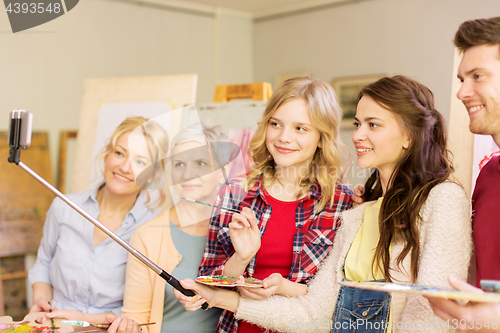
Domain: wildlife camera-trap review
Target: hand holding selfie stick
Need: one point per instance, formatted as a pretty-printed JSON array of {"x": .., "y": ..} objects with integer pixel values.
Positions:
[{"x": 20, "y": 138}]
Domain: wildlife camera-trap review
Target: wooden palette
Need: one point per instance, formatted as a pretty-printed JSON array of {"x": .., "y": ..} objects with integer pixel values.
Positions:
[
  {"x": 433, "y": 291},
  {"x": 228, "y": 281},
  {"x": 28, "y": 325}
]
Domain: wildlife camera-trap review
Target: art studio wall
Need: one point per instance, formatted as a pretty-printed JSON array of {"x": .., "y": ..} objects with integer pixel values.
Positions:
[
  {"x": 42, "y": 69},
  {"x": 410, "y": 37}
]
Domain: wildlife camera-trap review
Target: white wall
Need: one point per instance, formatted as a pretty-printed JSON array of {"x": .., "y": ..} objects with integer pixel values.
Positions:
[
  {"x": 42, "y": 69},
  {"x": 233, "y": 47},
  {"x": 410, "y": 37}
]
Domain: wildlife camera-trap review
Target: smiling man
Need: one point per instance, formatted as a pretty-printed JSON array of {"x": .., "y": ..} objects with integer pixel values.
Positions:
[{"x": 479, "y": 72}]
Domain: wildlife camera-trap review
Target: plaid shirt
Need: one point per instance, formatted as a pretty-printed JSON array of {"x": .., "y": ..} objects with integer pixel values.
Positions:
[{"x": 312, "y": 241}]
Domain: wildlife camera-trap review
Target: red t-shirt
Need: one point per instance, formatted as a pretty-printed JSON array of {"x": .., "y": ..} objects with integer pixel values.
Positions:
[
  {"x": 276, "y": 247},
  {"x": 486, "y": 223}
]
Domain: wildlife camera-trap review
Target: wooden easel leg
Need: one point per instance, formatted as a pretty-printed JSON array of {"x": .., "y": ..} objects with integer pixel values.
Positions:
[{"x": 2, "y": 305}]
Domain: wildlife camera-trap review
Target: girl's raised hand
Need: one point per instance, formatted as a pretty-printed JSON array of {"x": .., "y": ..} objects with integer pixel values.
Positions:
[
  {"x": 356, "y": 197},
  {"x": 271, "y": 284},
  {"x": 245, "y": 234}
]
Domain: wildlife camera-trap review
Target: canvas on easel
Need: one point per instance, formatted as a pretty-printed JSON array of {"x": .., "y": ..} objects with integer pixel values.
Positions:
[
  {"x": 133, "y": 95},
  {"x": 23, "y": 204},
  {"x": 237, "y": 109}
]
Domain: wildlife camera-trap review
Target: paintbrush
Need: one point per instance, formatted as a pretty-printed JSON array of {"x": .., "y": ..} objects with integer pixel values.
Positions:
[
  {"x": 52, "y": 320},
  {"x": 82, "y": 323},
  {"x": 207, "y": 204}
]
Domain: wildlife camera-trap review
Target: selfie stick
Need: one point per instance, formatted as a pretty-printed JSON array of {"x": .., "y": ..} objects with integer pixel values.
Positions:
[{"x": 20, "y": 138}]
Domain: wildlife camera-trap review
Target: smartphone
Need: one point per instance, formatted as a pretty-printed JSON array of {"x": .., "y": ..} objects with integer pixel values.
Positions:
[
  {"x": 20, "y": 129},
  {"x": 492, "y": 286}
]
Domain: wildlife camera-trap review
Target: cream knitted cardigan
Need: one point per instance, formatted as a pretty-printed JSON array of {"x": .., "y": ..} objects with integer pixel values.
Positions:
[{"x": 445, "y": 249}]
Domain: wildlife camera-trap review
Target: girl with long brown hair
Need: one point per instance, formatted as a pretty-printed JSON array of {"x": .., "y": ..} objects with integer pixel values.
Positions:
[{"x": 415, "y": 229}]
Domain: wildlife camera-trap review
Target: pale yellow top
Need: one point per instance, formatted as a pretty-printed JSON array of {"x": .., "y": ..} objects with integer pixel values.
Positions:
[{"x": 358, "y": 261}]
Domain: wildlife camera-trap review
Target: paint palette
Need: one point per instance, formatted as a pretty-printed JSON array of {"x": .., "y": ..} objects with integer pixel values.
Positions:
[
  {"x": 434, "y": 291},
  {"x": 28, "y": 325},
  {"x": 23, "y": 327},
  {"x": 229, "y": 281}
]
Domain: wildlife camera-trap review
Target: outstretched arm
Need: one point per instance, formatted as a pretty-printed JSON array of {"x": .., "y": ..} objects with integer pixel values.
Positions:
[
  {"x": 215, "y": 297},
  {"x": 274, "y": 284}
]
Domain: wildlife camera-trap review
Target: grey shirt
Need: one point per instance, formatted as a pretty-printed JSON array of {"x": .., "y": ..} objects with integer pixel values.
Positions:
[{"x": 175, "y": 317}]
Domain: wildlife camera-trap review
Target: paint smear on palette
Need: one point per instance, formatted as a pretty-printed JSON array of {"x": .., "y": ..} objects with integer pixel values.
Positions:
[
  {"x": 229, "y": 281},
  {"x": 16, "y": 328}
]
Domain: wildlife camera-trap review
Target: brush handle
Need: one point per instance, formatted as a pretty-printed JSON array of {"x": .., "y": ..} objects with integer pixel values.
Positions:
[
  {"x": 208, "y": 204},
  {"x": 52, "y": 319},
  {"x": 106, "y": 326}
]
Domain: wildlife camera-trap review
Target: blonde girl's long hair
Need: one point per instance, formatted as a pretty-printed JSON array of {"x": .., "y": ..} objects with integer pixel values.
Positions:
[{"x": 327, "y": 167}]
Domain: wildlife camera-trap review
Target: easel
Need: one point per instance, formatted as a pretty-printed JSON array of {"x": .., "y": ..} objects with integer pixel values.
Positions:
[
  {"x": 6, "y": 277},
  {"x": 248, "y": 101},
  {"x": 63, "y": 152},
  {"x": 260, "y": 91},
  {"x": 23, "y": 204},
  {"x": 242, "y": 113},
  {"x": 176, "y": 90},
  {"x": 2, "y": 307},
  {"x": 460, "y": 139},
  {"x": 239, "y": 118}
]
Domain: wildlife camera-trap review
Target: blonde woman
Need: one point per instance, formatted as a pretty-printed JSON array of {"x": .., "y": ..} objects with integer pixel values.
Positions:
[{"x": 79, "y": 272}]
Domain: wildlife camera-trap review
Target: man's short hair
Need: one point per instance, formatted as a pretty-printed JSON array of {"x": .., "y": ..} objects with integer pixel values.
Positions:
[{"x": 478, "y": 32}]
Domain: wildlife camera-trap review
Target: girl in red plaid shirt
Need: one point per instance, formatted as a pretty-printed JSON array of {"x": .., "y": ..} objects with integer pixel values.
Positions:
[{"x": 290, "y": 201}]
